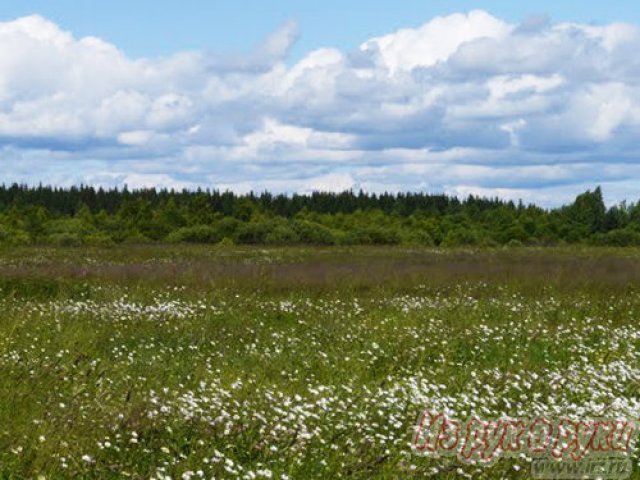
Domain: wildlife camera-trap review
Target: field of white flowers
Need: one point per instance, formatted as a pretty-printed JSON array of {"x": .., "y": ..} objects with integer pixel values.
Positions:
[{"x": 112, "y": 378}]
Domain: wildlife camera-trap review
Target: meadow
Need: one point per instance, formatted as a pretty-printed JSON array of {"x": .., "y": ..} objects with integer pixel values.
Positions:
[{"x": 189, "y": 362}]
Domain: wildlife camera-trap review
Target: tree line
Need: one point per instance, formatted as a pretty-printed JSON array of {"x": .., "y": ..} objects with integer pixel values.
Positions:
[{"x": 88, "y": 216}]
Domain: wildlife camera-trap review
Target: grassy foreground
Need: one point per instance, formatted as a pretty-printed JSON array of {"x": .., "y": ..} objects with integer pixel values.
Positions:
[{"x": 197, "y": 362}]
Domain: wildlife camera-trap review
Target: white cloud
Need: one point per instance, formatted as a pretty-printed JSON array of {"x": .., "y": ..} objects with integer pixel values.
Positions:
[
  {"x": 136, "y": 137},
  {"x": 464, "y": 103},
  {"x": 435, "y": 41}
]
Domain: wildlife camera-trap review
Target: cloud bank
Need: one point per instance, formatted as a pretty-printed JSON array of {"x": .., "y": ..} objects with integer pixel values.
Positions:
[{"x": 464, "y": 104}]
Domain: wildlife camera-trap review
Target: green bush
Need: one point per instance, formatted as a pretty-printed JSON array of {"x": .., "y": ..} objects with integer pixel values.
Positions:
[
  {"x": 227, "y": 226},
  {"x": 370, "y": 235},
  {"x": 197, "y": 234},
  {"x": 282, "y": 235},
  {"x": 226, "y": 242},
  {"x": 418, "y": 238},
  {"x": 13, "y": 237},
  {"x": 352, "y": 237},
  {"x": 65, "y": 239},
  {"x": 461, "y": 237},
  {"x": 314, "y": 233},
  {"x": 513, "y": 233},
  {"x": 383, "y": 236},
  {"x": 99, "y": 240},
  {"x": 75, "y": 226},
  {"x": 135, "y": 237},
  {"x": 253, "y": 233},
  {"x": 617, "y": 238}
]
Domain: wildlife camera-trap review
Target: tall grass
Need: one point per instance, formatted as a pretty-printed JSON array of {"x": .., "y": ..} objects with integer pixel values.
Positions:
[{"x": 300, "y": 363}]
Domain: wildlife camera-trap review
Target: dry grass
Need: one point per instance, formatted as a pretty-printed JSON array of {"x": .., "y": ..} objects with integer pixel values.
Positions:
[{"x": 330, "y": 269}]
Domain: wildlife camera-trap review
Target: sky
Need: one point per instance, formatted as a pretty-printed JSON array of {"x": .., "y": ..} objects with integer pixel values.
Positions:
[{"x": 492, "y": 98}]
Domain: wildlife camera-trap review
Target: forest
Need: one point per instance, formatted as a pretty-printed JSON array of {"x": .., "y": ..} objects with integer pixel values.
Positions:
[{"x": 85, "y": 215}]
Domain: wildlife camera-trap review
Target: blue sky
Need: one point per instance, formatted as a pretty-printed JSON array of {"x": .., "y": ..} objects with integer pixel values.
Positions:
[
  {"x": 535, "y": 101},
  {"x": 153, "y": 27}
]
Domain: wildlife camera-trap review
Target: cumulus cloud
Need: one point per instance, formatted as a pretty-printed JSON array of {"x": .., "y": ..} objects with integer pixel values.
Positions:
[
  {"x": 435, "y": 41},
  {"x": 466, "y": 103}
]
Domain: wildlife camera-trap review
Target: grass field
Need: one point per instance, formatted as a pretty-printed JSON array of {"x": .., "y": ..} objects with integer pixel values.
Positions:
[{"x": 197, "y": 362}]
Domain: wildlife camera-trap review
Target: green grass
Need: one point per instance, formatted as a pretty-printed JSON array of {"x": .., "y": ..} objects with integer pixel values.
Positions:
[{"x": 139, "y": 362}]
